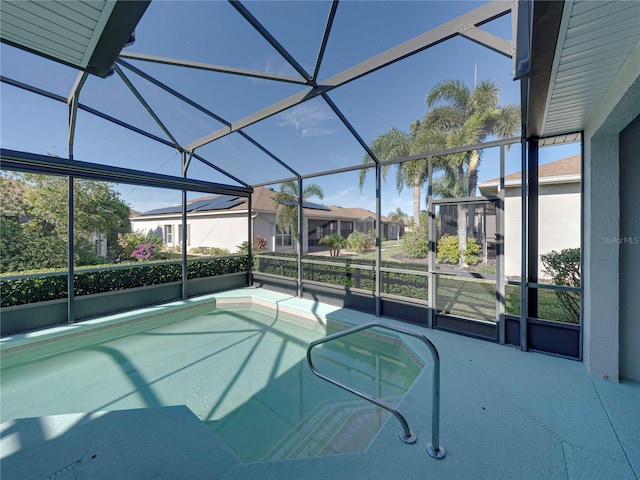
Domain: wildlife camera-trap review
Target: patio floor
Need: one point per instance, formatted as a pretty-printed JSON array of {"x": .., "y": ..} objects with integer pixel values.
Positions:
[{"x": 504, "y": 414}]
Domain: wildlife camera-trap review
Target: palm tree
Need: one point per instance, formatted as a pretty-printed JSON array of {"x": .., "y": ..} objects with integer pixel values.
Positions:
[
  {"x": 395, "y": 144},
  {"x": 397, "y": 218},
  {"x": 456, "y": 117},
  {"x": 287, "y": 201}
]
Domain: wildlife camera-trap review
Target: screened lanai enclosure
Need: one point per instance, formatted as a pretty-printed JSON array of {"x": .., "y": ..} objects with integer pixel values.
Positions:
[{"x": 197, "y": 115}]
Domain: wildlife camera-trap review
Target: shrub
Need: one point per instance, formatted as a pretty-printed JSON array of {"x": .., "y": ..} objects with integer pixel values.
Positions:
[
  {"x": 129, "y": 242},
  {"x": 243, "y": 247},
  {"x": 32, "y": 289},
  {"x": 200, "y": 250},
  {"x": 415, "y": 242},
  {"x": 259, "y": 244},
  {"x": 359, "y": 242},
  {"x": 564, "y": 269},
  {"x": 334, "y": 241},
  {"x": 144, "y": 251},
  {"x": 472, "y": 253},
  {"x": 447, "y": 250}
]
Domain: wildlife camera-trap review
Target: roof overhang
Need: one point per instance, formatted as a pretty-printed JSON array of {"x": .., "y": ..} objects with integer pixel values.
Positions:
[
  {"x": 577, "y": 51},
  {"x": 84, "y": 35}
]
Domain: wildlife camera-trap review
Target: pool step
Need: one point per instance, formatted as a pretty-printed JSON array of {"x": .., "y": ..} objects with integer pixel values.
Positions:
[{"x": 332, "y": 428}]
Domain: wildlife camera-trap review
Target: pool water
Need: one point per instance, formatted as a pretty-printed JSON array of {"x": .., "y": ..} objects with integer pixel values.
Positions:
[{"x": 241, "y": 370}]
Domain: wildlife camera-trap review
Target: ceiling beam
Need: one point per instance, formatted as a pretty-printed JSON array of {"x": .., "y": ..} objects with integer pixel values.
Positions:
[
  {"x": 212, "y": 68},
  {"x": 325, "y": 38},
  {"x": 253, "y": 21},
  {"x": 31, "y": 162},
  {"x": 476, "y": 17}
]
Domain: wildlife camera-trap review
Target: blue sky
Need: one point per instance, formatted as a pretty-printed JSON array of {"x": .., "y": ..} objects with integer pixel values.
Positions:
[{"x": 308, "y": 137}]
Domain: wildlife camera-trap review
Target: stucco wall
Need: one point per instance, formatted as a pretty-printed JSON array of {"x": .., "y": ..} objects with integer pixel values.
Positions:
[
  {"x": 225, "y": 231},
  {"x": 558, "y": 222},
  {"x": 222, "y": 231},
  {"x": 601, "y": 278},
  {"x": 630, "y": 251}
]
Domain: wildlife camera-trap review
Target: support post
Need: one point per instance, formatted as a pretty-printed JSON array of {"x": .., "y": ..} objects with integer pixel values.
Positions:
[
  {"x": 300, "y": 236},
  {"x": 70, "y": 262},
  {"x": 523, "y": 248},
  {"x": 72, "y": 104},
  {"x": 183, "y": 230},
  {"x": 431, "y": 237},
  {"x": 378, "y": 240},
  {"x": 250, "y": 243},
  {"x": 532, "y": 233},
  {"x": 500, "y": 280}
]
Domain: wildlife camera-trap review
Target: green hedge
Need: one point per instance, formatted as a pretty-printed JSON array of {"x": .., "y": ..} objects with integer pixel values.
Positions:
[
  {"x": 402, "y": 284},
  {"x": 466, "y": 297},
  {"x": 19, "y": 291}
]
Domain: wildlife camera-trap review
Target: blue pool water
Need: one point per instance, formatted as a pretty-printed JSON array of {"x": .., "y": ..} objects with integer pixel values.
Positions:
[{"x": 242, "y": 370}]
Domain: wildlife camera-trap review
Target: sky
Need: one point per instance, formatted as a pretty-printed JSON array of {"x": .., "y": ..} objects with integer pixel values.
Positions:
[{"x": 309, "y": 137}]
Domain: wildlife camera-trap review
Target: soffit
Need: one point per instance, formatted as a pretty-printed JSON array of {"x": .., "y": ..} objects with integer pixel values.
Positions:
[
  {"x": 84, "y": 34},
  {"x": 596, "y": 39}
]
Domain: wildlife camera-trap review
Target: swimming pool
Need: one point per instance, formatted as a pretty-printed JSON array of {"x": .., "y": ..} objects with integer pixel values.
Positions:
[{"x": 241, "y": 369}]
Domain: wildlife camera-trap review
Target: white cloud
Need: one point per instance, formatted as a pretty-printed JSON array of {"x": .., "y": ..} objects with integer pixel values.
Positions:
[{"x": 308, "y": 119}]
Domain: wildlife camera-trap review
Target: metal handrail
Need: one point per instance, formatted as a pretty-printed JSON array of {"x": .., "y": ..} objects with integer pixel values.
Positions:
[{"x": 433, "y": 448}]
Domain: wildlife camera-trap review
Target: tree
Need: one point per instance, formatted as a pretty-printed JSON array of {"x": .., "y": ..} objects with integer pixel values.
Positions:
[
  {"x": 458, "y": 116},
  {"x": 397, "y": 218},
  {"x": 97, "y": 209},
  {"x": 395, "y": 144},
  {"x": 287, "y": 201},
  {"x": 34, "y": 221}
]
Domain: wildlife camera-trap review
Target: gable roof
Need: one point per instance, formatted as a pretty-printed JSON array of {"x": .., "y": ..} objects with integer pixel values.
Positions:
[{"x": 565, "y": 170}]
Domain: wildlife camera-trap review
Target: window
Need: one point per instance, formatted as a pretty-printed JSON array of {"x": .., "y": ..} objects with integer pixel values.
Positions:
[
  {"x": 179, "y": 232},
  {"x": 168, "y": 234},
  {"x": 283, "y": 239}
]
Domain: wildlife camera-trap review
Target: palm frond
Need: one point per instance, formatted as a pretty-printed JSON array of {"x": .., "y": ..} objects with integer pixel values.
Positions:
[
  {"x": 484, "y": 99},
  {"x": 507, "y": 122},
  {"x": 453, "y": 92}
]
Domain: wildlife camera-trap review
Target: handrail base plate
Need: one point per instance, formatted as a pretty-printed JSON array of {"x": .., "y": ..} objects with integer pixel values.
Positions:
[
  {"x": 438, "y": 454},
  {"x": 410, "y": 439}
]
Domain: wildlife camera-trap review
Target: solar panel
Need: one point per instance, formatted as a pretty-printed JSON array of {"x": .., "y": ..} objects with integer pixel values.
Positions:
[
  {"x": 221, "y": 202},
  {"x": 159, "y": 211},
  {"x": 313, "y": 206}
]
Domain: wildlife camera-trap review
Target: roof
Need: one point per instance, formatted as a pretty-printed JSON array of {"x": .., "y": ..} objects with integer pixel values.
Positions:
[
  {"x": 84, "y": 35},
  {"x": 263, "y": 199},
  {"x": 565, "y": 170},
  {"x": 579, "y": 52}
]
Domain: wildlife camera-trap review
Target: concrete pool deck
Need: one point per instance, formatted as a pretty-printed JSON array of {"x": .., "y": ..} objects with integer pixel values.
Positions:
[{"x": 504, "y": 414}]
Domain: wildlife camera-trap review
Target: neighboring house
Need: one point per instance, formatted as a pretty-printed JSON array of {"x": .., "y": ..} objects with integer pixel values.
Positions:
[
  {"x": 558, "y": 210},
  {"x": 221, "y": 221}
]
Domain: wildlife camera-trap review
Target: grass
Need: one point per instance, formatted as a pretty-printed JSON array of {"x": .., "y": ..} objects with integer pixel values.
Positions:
[
  {"x": 390, "y": 248},
  {"x": 474, "y": 298},
  {"x": 461, "y": 296}
]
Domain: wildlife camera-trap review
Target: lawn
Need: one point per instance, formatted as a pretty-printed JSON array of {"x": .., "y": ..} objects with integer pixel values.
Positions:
[
  {"x": 390, "y": 249},
  {"x": 461, "y": 296}
]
